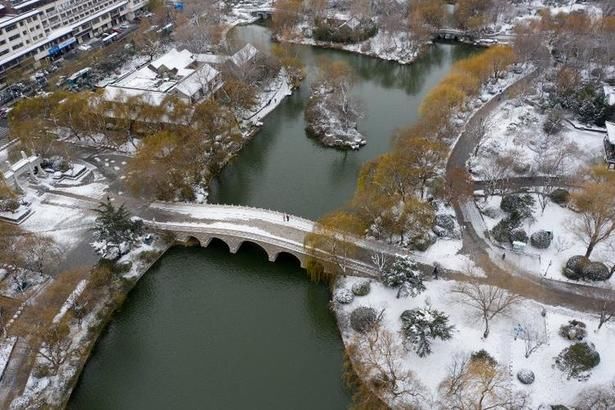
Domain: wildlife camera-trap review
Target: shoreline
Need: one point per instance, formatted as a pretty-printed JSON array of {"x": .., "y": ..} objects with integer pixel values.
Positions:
[
  {"x": 108, "y": 309},
  {"x": 115, "y": 299}
]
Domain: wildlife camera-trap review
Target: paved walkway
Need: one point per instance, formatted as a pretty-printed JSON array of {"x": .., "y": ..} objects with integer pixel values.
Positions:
[{"x": 499, "y": 272}]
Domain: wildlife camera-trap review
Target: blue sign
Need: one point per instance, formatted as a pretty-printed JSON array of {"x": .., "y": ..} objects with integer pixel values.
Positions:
[{"x": 55, "y": 50}]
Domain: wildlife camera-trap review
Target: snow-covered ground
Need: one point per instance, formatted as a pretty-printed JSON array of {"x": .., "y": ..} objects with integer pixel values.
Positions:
[
  {"x": 391, "y": 46},
  {"x": 551, "y": 385},
  {"x": 565, "y": 244},
  {"x": 268, "y": 99},
  {"x": 53, "y": 389},
  {"x": 65, "y": 219},
  {"x": 520, "y": 11},
  {"x": 6, "y": 348},
  {"x": 327, "y": 123},
  {"x": 515, "y": 144}
]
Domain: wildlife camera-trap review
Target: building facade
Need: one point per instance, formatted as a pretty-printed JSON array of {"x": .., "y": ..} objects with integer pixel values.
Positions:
[{"x": 32, "y": 30}]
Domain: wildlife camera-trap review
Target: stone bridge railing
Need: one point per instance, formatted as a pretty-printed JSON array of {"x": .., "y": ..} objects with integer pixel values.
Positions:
[{"x": 273, "y": 245}]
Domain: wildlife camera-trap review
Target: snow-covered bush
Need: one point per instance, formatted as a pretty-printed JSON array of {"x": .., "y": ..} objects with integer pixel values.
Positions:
[
  {"x": 344, "y": 296},
  {"x": 363, "y": 319},
  {"x": 526, "y": 376},
  {"x": 574, "y": 330},
  {"x": 361, "y": 288},
  {"x": 560, "y": 196},
  {"x": 518, "y": 235},
  {"x": 421, "y": 326},
  {"x": 541, "y": 239},
  {"x": 336, "y": 31},
  {"x": 9, "y": 205},
  {"x": 423, "y": 242},
  {"x": 578, "y": 359},
  {"x": 404, "y": 271},
  {"x": 574, "y": 267},
  {"x": 501, "y": 231},
  {"x": 596, "y": 271},
  {"x": 55, "y": 163},
  {"x": 115, "y": 231},
  {"x": 446, "y": 226},
  {"x": 580, "y": 267},
  {"x": 519, "y": 206}
]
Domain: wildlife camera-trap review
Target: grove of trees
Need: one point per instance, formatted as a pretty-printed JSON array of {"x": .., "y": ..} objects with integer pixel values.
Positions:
[{"x": 393, "y": 198}]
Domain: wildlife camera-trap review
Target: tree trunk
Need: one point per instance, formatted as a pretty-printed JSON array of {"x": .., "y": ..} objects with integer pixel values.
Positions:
[
  {"x": 590, "y": 249},
  {"x": 486, "y": 333}
]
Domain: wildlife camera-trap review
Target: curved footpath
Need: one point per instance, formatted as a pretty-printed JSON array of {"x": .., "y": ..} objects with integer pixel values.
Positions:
[{"x": 500, "y": 273}]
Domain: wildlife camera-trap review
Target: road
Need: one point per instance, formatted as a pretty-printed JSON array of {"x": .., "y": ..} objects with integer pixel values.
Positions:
[{"x": 501, "y": 273}]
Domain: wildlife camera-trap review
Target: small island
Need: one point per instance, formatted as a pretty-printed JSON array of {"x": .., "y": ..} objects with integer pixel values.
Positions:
[{"x": 332, "y": 113}]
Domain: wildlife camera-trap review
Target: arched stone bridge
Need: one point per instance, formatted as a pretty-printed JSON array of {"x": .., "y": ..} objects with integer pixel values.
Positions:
[
  {"x": 454, "y": 34},
  {"x": 270, "y": 230}
]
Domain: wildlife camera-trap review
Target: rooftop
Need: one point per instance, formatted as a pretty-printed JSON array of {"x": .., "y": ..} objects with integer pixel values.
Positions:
[{"x": 179, "y": 71}]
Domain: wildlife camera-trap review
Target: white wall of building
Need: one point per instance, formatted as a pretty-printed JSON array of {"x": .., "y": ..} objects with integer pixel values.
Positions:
[{"x": 56, "y": 25}]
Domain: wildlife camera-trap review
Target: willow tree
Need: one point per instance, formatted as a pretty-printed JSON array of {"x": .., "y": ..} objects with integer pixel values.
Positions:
[
  {"x": 595, "y": 205},
  {"x": 331, "y": 244},
  {"x": 32, "y": 121}
]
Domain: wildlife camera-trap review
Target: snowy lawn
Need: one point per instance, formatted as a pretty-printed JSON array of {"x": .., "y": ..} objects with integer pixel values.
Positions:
[
  {"x": 565, "y": 244},
  {"x": 515, "y": 144},
  {"x": 551, "y": 385},
  {"x": 64, "y": 219}
]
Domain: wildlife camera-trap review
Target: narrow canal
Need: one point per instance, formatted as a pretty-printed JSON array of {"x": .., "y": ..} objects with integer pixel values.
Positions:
[{"x": 206, "y": 330}]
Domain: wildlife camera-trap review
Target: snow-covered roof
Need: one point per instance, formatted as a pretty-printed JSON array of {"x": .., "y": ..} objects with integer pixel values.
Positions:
[
  {"x": 200, "y": 79},
  {"x": 247, "y": 53},
  {"x": 175, "y": 71},
  {"x": 610, "y": 132},
  {"x": 211, "y": 58},
  {"x": 179, "y": 60},
  {"x": 609, "y": 91}
]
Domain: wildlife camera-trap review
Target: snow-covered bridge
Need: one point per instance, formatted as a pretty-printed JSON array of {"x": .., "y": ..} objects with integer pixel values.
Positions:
[
  {"x": 275, "y": 232},
  {"x": 454, "y": 34}
]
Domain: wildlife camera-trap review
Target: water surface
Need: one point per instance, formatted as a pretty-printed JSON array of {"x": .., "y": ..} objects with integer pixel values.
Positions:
[{"x": 207, "y": 330}]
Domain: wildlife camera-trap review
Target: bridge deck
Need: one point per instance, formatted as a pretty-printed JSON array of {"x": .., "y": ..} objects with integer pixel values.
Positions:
[{"x": 269, "y": 229}]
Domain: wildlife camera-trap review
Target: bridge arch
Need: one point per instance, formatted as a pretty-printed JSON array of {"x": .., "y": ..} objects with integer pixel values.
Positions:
[
  {"x": 284, "y": 256},
  {"x": 192, "y": 241},
  {"x": 253, "y": 246},
  {"x": 215, "y": 241}
]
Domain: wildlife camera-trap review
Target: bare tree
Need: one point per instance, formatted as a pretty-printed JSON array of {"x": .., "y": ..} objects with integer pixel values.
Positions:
[
  {"x": 487, "y": 301},
  {"x": 380, "y": 261},
  {"x": 55, "y": 345},
  {"x": 497, "y": 171},
  {"x": 20, "y": 279},
  {"x": 380, "y": 359},
  {"x": 39, "y": 253},
  {"x": 477, "y": 130},
  {"x": 3, "y": 320},
  {"x": 597, "y": 398},
  {"x": 478, "y": 382},
  {"x": 595, "y": 221},
  {"x": 607, "y": 312},
  {"x": 533, "y": 337},
  {"x": 79, "y": 310}
]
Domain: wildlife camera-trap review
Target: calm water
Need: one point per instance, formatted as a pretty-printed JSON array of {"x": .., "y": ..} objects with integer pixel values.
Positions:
[{"x": 206, "y": 330}]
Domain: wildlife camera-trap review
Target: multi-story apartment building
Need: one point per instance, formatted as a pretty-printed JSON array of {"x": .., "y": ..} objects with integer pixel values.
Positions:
[{"x": 31, "y": 30}]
